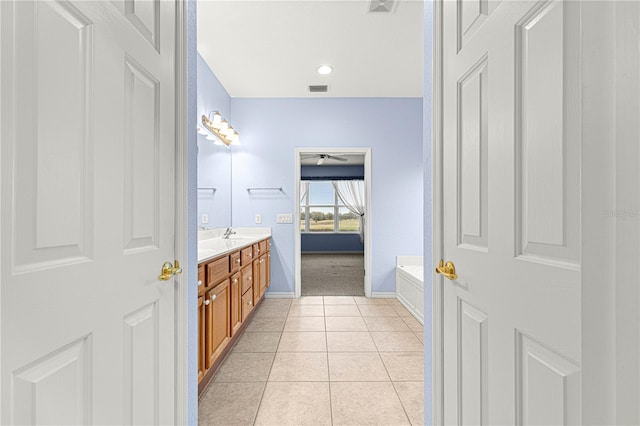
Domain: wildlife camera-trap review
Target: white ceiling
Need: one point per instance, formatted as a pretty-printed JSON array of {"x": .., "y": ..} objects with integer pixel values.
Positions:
[
  {"x": 352, "y": 159},
  {"x": 272, "y": 48}
]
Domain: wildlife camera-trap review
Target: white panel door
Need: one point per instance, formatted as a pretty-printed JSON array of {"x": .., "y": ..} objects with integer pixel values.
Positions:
[
  {"x": 87, "y": 97},
  {"x": 511, "y": 222}
]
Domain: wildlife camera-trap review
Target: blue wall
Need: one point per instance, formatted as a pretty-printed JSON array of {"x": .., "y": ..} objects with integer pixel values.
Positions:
[
  {"x": 270, "y": 131},
  {"x": 321, "y": 242},
  {"x": 331, "y": 172},
  {"x": 214, "y": 161}
]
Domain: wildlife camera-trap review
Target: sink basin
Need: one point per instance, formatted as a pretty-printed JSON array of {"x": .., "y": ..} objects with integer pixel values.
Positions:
[
  {"x": 217, "y": 244},
  {"x": 239, "y": 238}
]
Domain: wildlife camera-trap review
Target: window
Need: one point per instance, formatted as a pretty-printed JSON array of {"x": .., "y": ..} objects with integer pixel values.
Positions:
[{"x": 322, "y": 211}]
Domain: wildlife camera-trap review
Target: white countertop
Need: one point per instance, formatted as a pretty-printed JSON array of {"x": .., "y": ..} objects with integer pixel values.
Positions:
[{"x": 211, "y": 244}]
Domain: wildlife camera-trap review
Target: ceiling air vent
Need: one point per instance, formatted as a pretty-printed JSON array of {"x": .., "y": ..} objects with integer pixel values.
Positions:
[
  {"x": 382, "y": 6},
  {"x": 319, "y": 89}
]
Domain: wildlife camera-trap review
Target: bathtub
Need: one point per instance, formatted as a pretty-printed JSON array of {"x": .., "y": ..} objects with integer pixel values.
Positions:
[{"x": 410, "y": 284}]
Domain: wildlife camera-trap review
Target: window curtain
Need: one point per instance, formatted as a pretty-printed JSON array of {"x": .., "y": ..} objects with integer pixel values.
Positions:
[{"x": 351, "y": 193}]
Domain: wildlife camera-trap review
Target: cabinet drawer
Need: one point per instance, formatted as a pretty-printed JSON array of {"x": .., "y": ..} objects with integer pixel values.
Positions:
[
  {"x": 257, "y": 251},
  {"x": 264, "y": 247},
  {"x": 246, "y": 256},
  {"x": 247, "y": 278},
  {"x": 217, "y": 270},
  {"x": 269, "y": 244},
  {"x": 201, "y": 280},
  {"x": 247, "y": 304},
  {"x": 235, "y": 261}
]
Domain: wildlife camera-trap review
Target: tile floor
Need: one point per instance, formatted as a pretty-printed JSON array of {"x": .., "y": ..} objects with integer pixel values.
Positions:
[{"x": 332, "y": 360}]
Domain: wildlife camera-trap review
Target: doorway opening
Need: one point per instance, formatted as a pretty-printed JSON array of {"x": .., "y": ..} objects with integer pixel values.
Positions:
[{"x": 332, "y": 239}]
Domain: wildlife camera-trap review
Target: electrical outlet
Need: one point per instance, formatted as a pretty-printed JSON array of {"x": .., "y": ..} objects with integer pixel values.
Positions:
[
  {"x": 258, "y": 218},
  {"x": 284, "y": 218},
  {"x": 205, "y": 218}
]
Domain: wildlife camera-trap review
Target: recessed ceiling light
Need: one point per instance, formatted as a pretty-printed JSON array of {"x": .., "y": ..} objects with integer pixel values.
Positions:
[{"x": 325, "y": 69}]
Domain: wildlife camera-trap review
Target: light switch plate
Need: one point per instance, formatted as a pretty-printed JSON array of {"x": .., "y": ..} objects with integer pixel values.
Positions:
[
  {"x": 258, "y": 218},
  {"x": 284, "y": 218},
  {"x": 205, "y": 218}
]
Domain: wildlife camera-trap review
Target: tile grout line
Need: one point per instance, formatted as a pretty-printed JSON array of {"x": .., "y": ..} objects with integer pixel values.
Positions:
[
  {"x": 255, "y": 416},
  {"x": 326, "y": 340},
  {"x": 393, "y": 385}
]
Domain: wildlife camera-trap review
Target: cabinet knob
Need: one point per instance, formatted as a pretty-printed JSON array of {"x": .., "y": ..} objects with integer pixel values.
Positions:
[
  {"x": 238, "y": 261},
  {"x": 250, "y": 303},
  {"x": 199, "y": 283},
  {"x": 214, "y": 296},
  {"x": 235, "y": 281},
  {"x": 250, "y": 278},
  {"x": 206, "y": 302}
]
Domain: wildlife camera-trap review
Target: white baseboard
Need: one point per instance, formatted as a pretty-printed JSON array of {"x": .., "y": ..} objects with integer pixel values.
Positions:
[
  {"x": 383, "y": 294},
  {"x": 279, "y": 295}
]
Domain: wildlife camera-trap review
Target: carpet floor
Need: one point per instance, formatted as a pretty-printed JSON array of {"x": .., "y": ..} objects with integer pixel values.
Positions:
[{"x": 333, "y": 275}]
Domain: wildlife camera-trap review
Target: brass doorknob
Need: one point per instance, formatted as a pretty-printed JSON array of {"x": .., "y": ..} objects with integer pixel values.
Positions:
[
  {"x": 168, "y": 271},
  {"x": 447, "y": 269}
]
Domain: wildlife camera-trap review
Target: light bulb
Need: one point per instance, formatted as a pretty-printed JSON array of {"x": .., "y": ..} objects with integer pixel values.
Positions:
[
  {"x": 224, "y": 126},
  {"x": 234, "y": 138},
  {"x": 217, "y": 120}
]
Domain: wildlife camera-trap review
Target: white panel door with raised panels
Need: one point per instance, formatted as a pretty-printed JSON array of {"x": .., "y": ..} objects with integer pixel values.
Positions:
[
  {"x": 511, "y": 138},
  {"x": 87, "y": 97}
]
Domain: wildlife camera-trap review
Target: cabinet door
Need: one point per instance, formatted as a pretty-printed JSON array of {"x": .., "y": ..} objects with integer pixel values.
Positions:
[
  {"x": 217, "y": 270},
  {"x": 247, "y": 304},
  {"x": 263, "y": 274},
  {"x": 236, "y": 303},
  {"x": 256, "y": 281},
  {"x": 201, "y": 340},
  {"x": 268, "y": 269},
  {"x": 218, "y": 327},
  {"x": 201, "y": 280},
  {"x": 234, "y": 259},
  {"x": 246, "y": 277}
]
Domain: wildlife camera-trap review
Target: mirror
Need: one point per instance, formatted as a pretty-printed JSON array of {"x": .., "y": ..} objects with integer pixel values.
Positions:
[
  {"x": 214, "y": 158},
  {"x": 214, "y": 184}
]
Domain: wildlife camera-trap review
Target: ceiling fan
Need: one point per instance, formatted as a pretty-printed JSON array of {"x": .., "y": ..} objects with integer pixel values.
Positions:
[{"x": 322, "y": 157}]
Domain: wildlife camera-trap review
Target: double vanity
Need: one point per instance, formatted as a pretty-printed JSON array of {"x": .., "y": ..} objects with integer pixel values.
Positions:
[{"x": 234, "y": 272}]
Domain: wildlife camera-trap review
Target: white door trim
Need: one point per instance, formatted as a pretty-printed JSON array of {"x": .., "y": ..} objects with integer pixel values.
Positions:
[
  {"x": 437, "y": 214},
  {"x": 368, "y": 216},
  {"x": 182, "y": 299}
]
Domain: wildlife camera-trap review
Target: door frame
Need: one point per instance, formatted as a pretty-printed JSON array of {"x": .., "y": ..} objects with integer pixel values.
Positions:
[
  {"x": 184, "y": 191},
  {"x": 367, "y": 213},
  {"x": 437, "y": 380}
]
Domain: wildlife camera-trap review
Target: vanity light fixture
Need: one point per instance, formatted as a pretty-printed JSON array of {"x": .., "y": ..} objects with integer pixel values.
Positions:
[
  {"x": 325, "y": 69},
  {"x": 219, "y": 130}
]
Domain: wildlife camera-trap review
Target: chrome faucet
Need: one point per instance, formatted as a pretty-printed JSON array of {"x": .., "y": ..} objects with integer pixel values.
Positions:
[{"x": 228, "y": 233}]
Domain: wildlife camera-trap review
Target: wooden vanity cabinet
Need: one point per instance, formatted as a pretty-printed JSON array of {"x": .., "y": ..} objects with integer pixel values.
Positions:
[
  {"x": 218, "y": 321},
  {"x": 229, "y": 288}
]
